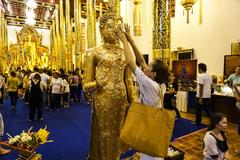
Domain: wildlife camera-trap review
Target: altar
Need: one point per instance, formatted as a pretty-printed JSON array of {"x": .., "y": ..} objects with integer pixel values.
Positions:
[{"x": 28, "y": 51}]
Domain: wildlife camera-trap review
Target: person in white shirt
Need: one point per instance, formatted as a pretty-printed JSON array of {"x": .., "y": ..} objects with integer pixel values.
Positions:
[
  {"x": 66, "y": 91},
  {"x": 56, "y": 85},
  {"x": 45, "y": 79},
  {"x": 153, "y": 77},
  {"x": 204, "y": 82}
]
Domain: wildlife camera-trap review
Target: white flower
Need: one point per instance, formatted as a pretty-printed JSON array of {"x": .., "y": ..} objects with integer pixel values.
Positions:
[
  {"x": 17, "y": 137},
  {"x": 13, "y": 140},
  {"x": 24, "y": 138}
]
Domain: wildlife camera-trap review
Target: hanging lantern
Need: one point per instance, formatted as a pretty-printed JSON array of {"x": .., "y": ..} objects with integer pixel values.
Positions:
[
  {"x": 187, "y": 4},
  {"x": 137, "y": 17}
]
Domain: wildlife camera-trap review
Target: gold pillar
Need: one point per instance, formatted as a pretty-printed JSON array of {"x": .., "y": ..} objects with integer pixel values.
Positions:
[
  {"x": 52, "y": 45},
  {"x": 5, "y": 53},
  {"x": 161, "y": 30},
  {"x": 54, "y": 54},
  {"x": 91, "y": 23},
  {"x": 78, "y": 33},
  {"x": 69, "y": 36},
  {"x": 62, "y": 35},
  {"x": 57, "y": 39},
  {"x": 1, "y": 40},
  {"x": 137, "y": 18}
]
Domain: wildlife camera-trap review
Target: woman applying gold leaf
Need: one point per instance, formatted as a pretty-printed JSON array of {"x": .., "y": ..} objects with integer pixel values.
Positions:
[{"x": 106, "y": 74}]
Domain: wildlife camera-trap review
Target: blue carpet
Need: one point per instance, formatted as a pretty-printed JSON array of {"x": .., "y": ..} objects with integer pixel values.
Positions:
[
  {"x": 70, "y": 130},
  {"x": 183, "y": 127}
]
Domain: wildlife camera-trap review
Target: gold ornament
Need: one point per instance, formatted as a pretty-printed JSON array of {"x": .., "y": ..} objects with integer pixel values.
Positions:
[{"x": 187, "y": 4}]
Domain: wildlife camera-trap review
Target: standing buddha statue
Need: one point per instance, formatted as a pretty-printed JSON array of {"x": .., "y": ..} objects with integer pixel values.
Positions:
[{"x": 107, "y": 75}]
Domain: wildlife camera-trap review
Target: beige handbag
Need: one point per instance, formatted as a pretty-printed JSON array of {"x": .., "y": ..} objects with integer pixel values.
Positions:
[{"x": 148, "y": 129}]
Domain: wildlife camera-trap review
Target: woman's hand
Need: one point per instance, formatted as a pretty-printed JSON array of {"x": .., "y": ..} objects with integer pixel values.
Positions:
[
  {"x": 121, "y": 35},
  {"x": 127, "y": 32}
]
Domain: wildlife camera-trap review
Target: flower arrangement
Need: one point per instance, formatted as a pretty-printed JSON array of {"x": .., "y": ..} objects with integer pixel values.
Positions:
[{"x": 29, "y": 140}]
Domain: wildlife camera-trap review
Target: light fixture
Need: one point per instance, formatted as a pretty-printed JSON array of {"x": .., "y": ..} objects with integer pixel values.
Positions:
[
  {"x": 30, "y": 21},
  {"x": 30, "y": 13},
  {"x": 187, "y": 4},
  {"x": 47, "y": 14},
  {"x": 31, "y": 4}
]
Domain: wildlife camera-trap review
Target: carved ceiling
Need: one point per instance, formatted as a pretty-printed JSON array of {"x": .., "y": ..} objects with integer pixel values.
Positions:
[{"x": 15, "y": 11}]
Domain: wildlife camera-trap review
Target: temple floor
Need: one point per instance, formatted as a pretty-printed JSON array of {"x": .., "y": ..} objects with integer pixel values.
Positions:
[{"x": 77, "y": 119}]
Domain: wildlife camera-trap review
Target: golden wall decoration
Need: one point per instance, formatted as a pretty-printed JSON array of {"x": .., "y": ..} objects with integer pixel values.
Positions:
[{"x": 161, "y": 30}]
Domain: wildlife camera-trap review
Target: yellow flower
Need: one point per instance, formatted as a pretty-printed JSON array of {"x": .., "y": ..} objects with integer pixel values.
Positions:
[{"x": 43, "y": 135}]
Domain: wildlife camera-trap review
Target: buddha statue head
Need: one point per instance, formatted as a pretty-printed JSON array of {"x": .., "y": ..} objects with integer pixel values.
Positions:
[{"x": 109, "y": 22}]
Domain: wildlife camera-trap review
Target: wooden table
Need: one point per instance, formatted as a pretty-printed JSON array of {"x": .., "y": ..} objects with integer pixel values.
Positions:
[{"x": 227, "y": 105}]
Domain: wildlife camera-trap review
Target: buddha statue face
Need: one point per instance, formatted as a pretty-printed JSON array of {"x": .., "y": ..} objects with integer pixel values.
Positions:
[{"x": 109, "y": 22}]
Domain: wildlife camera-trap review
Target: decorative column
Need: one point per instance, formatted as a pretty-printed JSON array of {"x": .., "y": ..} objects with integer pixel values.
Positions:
[
  {"x": 58, "y": 39},
  {"x": 56, "y": 56},
  {"x": 91, "y": 23},
  {"x": 5, "y": 53},
  {"x": 161, "y": 30},
  {"x": 69, "y": 36},
  {"x": 52, "y": 45},
  {"x": 1, "y": 40},
  {"x": 78, "y": 33},
  {"x": 137, "y": 18},
  {"x": 62, "y": 35}
]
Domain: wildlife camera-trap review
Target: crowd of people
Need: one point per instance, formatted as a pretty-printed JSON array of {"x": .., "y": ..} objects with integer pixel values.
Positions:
[{"x": 41, "y": 88}]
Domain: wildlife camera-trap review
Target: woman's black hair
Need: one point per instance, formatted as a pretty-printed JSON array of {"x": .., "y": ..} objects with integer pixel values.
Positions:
[
  {"x": 162, "y": 71},
  {"x": 214, "y": 120},
  {"x": 13, "y": 73},
  {"x": 203, "y": 67},
  {"x": 37, "y": 76}
]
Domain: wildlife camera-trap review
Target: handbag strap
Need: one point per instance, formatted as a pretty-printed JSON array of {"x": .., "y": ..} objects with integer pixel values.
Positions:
[{"x": 160, "y": 102}]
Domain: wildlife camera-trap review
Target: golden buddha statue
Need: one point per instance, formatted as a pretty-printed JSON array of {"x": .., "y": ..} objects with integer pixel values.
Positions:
[{"x": 107, "y": 75}]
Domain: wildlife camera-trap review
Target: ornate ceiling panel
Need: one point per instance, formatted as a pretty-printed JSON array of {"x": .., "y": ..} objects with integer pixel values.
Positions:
[{"x": 15, "y": 11}]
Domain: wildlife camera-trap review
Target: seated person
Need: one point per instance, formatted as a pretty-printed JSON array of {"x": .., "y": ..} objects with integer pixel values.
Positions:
[
  {"x": 234, "y": 78},
  {"x": 2, "y": 151}
]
